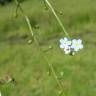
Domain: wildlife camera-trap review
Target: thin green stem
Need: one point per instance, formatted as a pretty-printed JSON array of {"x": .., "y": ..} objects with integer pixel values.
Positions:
[
  {"x": 59, "y": 21},
  {"x": 25, "y": 16},
  {"x": 16, "y": 11},
  {"x": 38, "y": 46}
]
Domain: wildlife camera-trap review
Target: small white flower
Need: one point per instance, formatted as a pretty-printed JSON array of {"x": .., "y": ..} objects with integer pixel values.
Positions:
[
  {"x": 76, "y": 44},
  {"x": 67, "y": 50},
  {"x": 64, "y": 42},
  {"x": 70, "y": 47}
]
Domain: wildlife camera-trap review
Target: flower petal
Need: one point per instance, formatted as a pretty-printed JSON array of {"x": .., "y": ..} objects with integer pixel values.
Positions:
[
  {"x": 62, "y": 46},
  {"x": 61, "y": 40},
  {"x": 74, "y": 41},
  {"x": 73, "y": 46},
  {"x": 79, "y": 41},
  {"x": 81, "y": 46},
  {"x": 76, "y": 49},
  {"x": 67, "y": 51},
  {"x": 69, "y": 42},
  {"x": 65, "y": 39}
]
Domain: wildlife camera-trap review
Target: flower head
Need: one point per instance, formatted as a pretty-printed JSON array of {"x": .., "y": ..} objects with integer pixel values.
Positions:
[
  {"x": 76, "y": 44},
  {"x": 65, "y": 44},
  {"x": 70, "y": 46},
  {"x": 67, "y": 51}
]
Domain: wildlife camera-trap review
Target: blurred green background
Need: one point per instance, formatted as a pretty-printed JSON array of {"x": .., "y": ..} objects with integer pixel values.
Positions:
[{"x": 24, "y": 61}]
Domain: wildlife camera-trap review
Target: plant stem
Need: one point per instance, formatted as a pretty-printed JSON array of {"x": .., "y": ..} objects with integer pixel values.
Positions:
[
  {"x": 25, "y": 16},
  {"x": 37, "y": 43},
  {"x": 59, "y": 21}
]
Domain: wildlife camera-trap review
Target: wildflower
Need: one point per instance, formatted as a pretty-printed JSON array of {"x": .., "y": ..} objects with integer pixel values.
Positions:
[
  {"x": 70, "y": 47},
  {"x": 65, "y": 44},
  {"x": 76, "y": 45},
  {"x": 67, "y": 50}
]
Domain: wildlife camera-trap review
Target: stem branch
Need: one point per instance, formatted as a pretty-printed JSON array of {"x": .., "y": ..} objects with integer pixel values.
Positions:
[{"x": 37, "y": 43}]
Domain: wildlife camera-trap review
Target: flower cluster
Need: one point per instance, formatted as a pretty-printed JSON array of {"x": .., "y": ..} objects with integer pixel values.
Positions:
[{"x": 71, "y": 46}]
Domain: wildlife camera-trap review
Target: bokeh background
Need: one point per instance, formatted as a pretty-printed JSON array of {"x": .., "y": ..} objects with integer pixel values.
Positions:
[{"x": 24, "y": 61}]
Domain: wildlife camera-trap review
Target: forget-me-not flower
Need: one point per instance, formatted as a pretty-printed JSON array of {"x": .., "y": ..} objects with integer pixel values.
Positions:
[
  {"x": 70, "y": 46},
  {"x": 76, "y": 44},
  {"x": 65, "y": 44}
]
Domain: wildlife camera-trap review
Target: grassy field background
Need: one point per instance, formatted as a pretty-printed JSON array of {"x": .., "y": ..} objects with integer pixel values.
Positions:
[{"x": 24, "y": 62}]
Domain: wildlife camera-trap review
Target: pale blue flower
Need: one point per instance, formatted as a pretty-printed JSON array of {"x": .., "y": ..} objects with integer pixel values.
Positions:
[
  {"x": 70, "y": 47},
  {"x": 64, "y": 43},
  {"x": 76, "y": 44}
]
